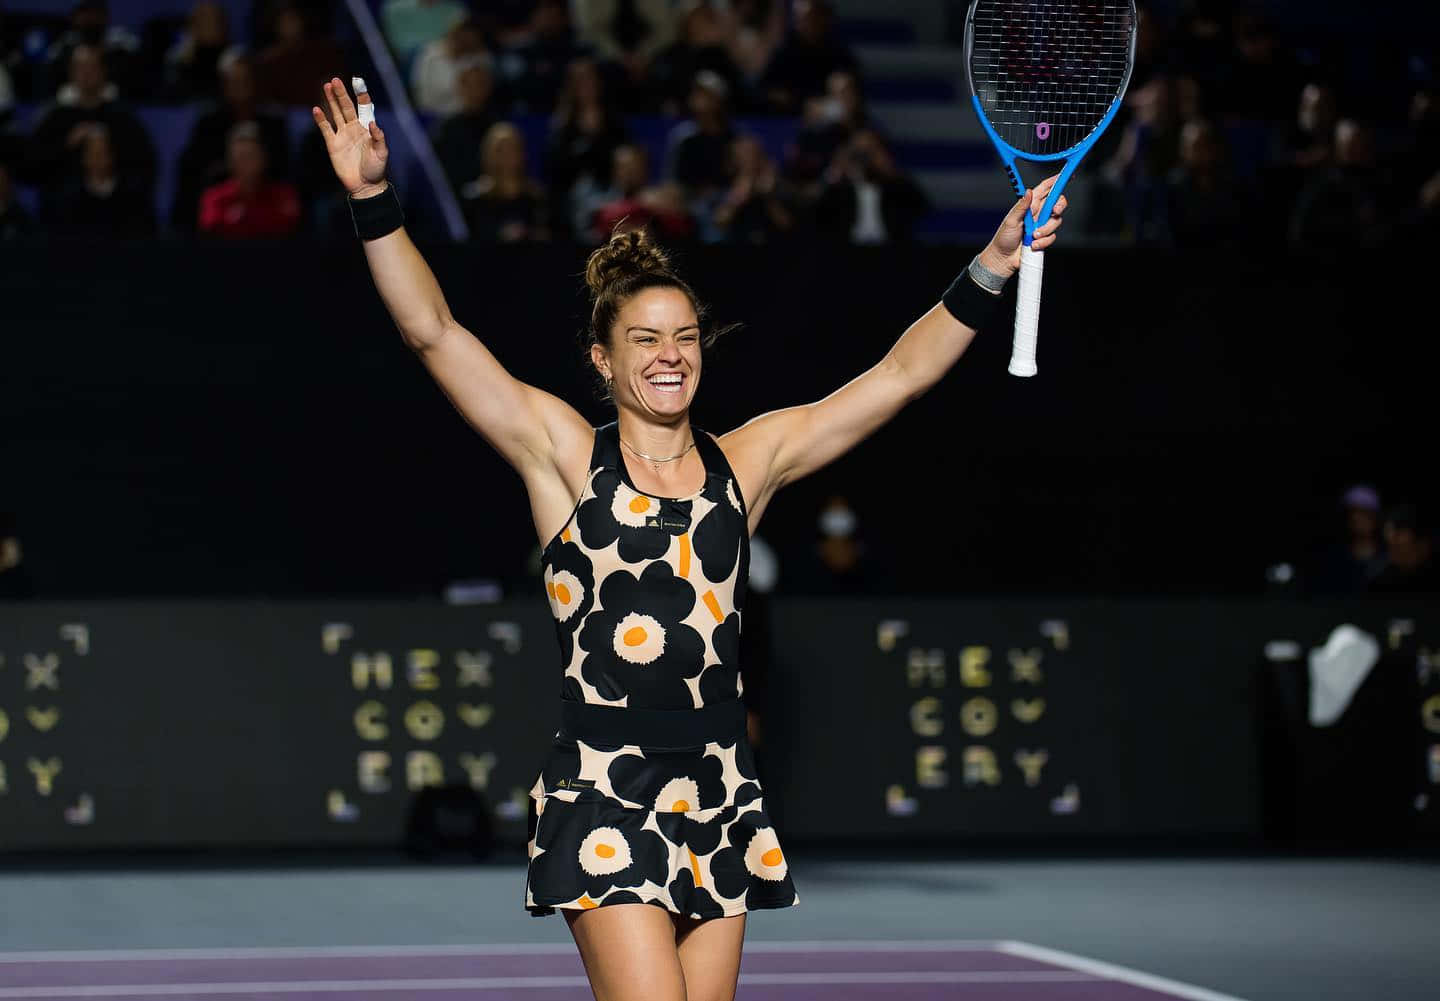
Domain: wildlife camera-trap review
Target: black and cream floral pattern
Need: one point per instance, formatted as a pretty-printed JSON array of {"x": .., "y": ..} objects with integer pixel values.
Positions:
[
  {"x": 637, "y": 644},
  {"x": 648, "y": 595}
]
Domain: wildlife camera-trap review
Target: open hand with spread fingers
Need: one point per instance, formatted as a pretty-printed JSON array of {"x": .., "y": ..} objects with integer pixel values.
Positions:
[{"x": 358, "y": 154}]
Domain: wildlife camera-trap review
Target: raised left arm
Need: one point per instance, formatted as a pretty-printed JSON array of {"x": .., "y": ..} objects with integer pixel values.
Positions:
[{"x": 784, "y": 445}]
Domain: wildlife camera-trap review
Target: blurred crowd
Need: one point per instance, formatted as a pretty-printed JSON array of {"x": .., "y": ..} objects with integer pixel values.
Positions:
[
  {"x": 711, "y": 120},
  {"x": 1237, "y": 127},
  {"x": 588, "y": 69},
  {"x": 1374, "y": 549}
]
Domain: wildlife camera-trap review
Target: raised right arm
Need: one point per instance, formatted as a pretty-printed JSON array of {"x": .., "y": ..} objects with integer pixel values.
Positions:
[
  {"x": 531, "y": 429},
  {"x": 539, "y": 435}
]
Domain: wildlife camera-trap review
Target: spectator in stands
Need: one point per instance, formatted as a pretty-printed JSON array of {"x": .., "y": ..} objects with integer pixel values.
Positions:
[
  {"x": 296, "y": 66},
  {"x": 866, "y": 197},
  {"x": 697, "y": 151},
  {"x": 533, "y": 61},
  {"x": 435, "y": 79},
  {"x": 759, "y": 30},
  {"x": 633, "y": 203},
  {"x": 203, "y": 161},
  {"x": 704, "y": 44},
  {"x": 458, "y": 138},
  {"x": 192, "y": 66},
  {"x": 1351, "y": 565},
  {"x": 760, "y": 206},
  {"x": 1410, "y": 566},
  {"x": 626, "y": 34},
  {"x": 829, "y": 123},
  {"x": 801, "y": 67},
  {"x": 1205, "y": 204},
  {"x": 249, "y": 204},
  {"x": 103, "y": 202},
  {"x": 90, "y": 26},
  {"x": 1309, "y": 141},
  {"x": 1345, "y": 202},
  {"x": 14, "y": 220},
  {"x": 503, "y": 205},
  {"x": 87, "y": 100},
  {"x": 410, "y": 25},
  {"x": 584, "y": 135},
  {"x": 1131, "y": 194},
  {"x": 1258, "y": 79},
  {"x": 840, "y": 562}
]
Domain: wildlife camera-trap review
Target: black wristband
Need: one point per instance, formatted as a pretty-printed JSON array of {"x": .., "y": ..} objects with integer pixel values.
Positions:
[
  {"x": 376, "y": 216},
  {"x": 971, "y": 304}
]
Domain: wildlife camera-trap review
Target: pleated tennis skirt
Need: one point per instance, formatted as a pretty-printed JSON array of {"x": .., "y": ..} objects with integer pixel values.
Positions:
[{"x": 654, "y": 806}]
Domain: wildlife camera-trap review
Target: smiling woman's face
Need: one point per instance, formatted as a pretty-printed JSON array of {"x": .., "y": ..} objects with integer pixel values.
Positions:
[{"x": 654, "y": 354}]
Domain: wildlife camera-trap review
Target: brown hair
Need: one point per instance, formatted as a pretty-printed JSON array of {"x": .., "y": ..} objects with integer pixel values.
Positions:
[{"x": 626, "y": 264}]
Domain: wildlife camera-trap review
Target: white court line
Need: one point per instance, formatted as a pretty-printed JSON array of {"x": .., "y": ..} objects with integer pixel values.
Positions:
[
  {"x": 1110, "y": 971},
  {"x": 514, "y": 983},
  {"x": 494, "y": 949}
]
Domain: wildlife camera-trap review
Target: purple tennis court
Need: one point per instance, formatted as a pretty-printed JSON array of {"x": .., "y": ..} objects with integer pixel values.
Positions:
[{"x": 838, "y": 971}]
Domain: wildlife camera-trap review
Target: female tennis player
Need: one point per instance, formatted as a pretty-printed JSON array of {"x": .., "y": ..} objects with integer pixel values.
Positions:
[{"x": 648, "y": 828}]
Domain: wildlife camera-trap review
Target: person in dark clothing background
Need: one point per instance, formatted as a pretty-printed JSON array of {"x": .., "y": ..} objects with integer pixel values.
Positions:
[
  {"x": 1350, "y": 565},
  {"x": 89, "y": 99},
  {"x": 867, "y": 198},
  {"x": 203, "y": 160},
  {"x": 458, "y": 138},
  {"x": 807, "y": 58},
  {"x": 102, "y": 201},
  {"x": 1410, "y": 566}
]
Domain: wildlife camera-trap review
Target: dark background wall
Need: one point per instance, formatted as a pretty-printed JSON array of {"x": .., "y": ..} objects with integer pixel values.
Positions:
[
  {"x": 202, "y": 420},
  {"x": 882, "y": 720}
]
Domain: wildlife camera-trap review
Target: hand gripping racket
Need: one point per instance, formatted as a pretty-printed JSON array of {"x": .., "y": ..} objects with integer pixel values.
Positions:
[{"x": 1046, "y": 78}]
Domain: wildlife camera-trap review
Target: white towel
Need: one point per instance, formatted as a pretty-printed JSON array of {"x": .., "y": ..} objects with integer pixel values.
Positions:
[{"x": 1337, "y": 670}]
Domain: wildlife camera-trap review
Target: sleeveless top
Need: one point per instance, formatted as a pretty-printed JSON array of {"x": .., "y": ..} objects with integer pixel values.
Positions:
[{"x": 647, "y": 591}]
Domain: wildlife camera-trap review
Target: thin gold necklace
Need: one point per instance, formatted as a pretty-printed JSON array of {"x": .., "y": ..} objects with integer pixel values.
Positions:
[{"x": 652, "y": 458}]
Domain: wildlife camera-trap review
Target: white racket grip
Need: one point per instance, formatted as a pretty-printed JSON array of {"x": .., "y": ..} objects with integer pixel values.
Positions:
[{"x": 1027, "y": 312}]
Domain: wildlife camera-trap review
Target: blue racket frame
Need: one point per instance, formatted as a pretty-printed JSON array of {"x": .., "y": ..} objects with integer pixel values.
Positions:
[
  {"x": 1009, "y": 154},
  {"x": 1072, "y": 156}
]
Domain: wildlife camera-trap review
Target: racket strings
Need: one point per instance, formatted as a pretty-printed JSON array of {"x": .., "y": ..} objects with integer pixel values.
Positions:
[{"x": 1047, "y": 71}]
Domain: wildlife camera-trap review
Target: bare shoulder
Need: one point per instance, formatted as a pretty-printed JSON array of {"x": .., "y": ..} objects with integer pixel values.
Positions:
[{"x": 751, "y": 449}]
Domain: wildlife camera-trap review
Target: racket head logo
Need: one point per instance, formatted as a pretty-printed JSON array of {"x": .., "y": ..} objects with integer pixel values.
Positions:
[{"x": 1042, "y": 131}]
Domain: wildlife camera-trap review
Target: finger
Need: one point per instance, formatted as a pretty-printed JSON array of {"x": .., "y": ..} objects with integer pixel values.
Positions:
[
  {"x": 1042, "y": 190},
  {"x": 379, "y": 139},
  {"x": 1060, "y": 204},
  {"x": 1046, "y": 235},
  {"x": 323, "y": 122},
  {"x": 335, "y": 115},
  {"x": 1017, "y": 212},
  {"x": 343, "y": 95}
]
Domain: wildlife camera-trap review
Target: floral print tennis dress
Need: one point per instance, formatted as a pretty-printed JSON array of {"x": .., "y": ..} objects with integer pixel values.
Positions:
[{"x": 647, "y": 595}]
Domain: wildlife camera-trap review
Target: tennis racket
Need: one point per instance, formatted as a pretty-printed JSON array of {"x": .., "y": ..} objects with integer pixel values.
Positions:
[{"x": 1046, "y": 78}]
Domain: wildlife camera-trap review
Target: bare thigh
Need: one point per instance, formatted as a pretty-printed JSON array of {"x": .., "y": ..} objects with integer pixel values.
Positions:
[
  {"x": 629, "y": 952},
  {"x": 710, "y": 955}
]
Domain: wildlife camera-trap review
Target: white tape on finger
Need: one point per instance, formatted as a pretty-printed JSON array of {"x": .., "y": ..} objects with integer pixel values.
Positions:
[
  {"x": 1027, "y": 312},
  {"x": 365, "y": 110}
]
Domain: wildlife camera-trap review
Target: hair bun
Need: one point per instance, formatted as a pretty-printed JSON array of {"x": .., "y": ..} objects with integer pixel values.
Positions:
[{"x": 625, "y": 256}]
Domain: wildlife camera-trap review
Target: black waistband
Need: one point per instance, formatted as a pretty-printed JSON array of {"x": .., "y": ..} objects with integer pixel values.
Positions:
[{"x": 658, "y": 729}]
